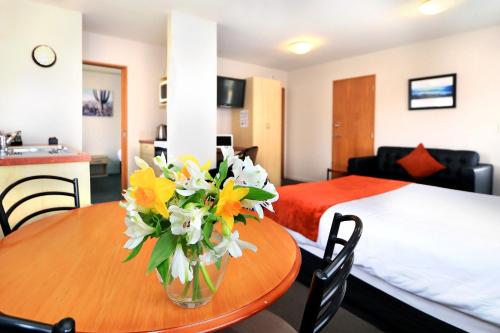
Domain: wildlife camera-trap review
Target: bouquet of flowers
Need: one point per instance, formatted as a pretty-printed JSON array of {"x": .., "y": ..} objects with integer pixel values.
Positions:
[{"x": 192, "y": 214}]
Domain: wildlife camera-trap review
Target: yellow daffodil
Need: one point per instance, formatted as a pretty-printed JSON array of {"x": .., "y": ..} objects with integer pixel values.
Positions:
[
  {"x": 151, "y": 192},
  {"x": 229, "y": 204}
]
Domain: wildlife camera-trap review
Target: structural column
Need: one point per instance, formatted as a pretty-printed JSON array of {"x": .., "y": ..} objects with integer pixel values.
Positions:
[{"x": 192, "y": 86}]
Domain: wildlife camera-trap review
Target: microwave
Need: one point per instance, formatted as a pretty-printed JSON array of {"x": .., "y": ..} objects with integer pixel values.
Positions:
[{"x": 163, "y": 91}]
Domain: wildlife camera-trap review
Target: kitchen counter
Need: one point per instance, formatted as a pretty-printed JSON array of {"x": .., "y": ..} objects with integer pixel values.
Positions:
[
  {"x": 147, "y": 141},
  {"x": 43, "y": 157}
]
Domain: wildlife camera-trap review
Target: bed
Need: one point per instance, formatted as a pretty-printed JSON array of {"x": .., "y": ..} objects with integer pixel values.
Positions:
[{"x": 427, "y": 259}]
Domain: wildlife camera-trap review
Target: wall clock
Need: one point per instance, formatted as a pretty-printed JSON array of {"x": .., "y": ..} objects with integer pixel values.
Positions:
[{"x": 44, "y": 56}]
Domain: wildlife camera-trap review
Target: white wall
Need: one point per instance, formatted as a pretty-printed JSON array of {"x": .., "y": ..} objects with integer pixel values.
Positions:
[
  {"x": 192, "y": 86},
  {"x": 241, "y": 70},
  {"x": 146, "y": 66},
  {"x": 42, "y": 102},
  {"x": 473, "y": 125},
  {"x": 101, "y": 135}
]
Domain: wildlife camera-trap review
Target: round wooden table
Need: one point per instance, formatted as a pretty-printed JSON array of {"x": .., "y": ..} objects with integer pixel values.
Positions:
[{"x": 70, "y": 265}]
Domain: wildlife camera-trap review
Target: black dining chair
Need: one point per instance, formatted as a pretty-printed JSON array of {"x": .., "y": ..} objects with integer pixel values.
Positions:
[
  {"x": 328, "y": 287},
  {"x": 12, "y": 324},
  {"x": 250, "y": 152},
  {"x": 5, "y": 214}
]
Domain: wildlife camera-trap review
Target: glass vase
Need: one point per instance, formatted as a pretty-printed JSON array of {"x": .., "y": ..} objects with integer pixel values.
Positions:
[{"x": 207, "y": 277}]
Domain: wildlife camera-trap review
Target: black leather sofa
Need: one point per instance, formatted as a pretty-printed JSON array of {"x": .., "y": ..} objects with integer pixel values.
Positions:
[{"x": 463, "y": 170}]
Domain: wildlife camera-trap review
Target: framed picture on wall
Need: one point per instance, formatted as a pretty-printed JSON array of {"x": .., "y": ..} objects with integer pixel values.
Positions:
[
  {"x": 97, "y": 103},
  {"x": 432, "y": 92}
]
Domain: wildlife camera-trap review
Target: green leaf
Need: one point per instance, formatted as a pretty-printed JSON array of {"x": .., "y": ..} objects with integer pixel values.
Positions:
[
  {"x": 207, "y": 230},
  {"x": 163, "y": 270},
  {"x": 223, "y": 168},
  {"x": 158, "y": 228},
  {"x": 240, "y": 218},
  {"x": 163, "y": 249},
  {"x": 135, "y": 250},
  {"x": 250, "y": 216},
  {"x": 196, "y": 197},
  {"x": 257, "y": 194},
  {"x": 210, "y": 218},
  {"x": 208, "y": 244}
]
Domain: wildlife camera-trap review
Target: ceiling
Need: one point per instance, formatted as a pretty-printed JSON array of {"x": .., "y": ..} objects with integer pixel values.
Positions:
[{"x": 257, "y": 31}]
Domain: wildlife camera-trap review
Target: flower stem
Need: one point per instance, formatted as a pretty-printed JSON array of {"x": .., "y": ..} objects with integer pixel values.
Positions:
[
  {"x": 186, "y": 288},
  {"x": 196, "y": 283},
  {"x": 206, "y": 276}
]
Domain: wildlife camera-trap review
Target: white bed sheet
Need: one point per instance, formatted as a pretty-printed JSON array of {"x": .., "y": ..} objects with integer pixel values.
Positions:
[{"x": 447, "y": 245}]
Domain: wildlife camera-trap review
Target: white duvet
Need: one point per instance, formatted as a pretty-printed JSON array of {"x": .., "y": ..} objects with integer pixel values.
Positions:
[{"x": 440, "y": 244}]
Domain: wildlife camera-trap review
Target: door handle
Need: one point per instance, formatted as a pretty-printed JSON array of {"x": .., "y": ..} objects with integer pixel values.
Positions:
[{"x": 337, "y": 124}]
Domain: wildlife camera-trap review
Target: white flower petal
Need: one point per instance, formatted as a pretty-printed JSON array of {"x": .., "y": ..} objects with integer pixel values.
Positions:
[
  {"x": 136, "y": 230},
  {"x": 234, "y": 249},
  {"x": 141, "y": 164},
  {"x": 260, "y": 212},
  {"x": 180, "y": 266},
  {"x": 133, "y": 242},
  {"x": 234, "y": 246},
  {"x": 246, "y": 245},
  {"x": 185, "y": 193},
  {"x": 228, "y": 154},
  {"x": 160, "y": 161}
]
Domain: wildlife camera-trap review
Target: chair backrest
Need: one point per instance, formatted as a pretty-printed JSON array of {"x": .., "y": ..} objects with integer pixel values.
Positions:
[
  {"x": 250, "y": 152},
  {"x": 328, "y": 285},
  {"x": 19, "y": 325},
  {"x": 5, "y": 214}
]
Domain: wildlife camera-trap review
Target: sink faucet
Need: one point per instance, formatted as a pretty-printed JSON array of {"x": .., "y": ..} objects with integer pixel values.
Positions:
[{"x": 5, "y": 140}]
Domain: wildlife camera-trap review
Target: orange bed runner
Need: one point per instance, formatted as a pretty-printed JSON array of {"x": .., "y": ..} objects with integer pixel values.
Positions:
[{"x": 301, "y": 206}]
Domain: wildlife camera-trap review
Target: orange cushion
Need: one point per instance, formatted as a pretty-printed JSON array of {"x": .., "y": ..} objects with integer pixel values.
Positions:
[{"x": 420, "y": 164}]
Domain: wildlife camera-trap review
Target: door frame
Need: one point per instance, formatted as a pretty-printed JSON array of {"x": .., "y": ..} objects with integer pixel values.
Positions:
[
  {"x": 334, "y": 172},
  {"x": 282, "y": 133},
  {"x": 124, "y": 116}
]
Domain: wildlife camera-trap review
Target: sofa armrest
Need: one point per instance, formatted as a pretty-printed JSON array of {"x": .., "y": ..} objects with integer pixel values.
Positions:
[
  {"x": 481, "y": 178},
  {"x": 364, "y": 166}
]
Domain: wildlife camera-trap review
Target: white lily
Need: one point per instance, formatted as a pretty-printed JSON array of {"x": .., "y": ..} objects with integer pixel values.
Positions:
[
  {"x": 228, "y": 153},
  {"x": 247, "y": 174},
  {"x": 136, "y": 229},
  {"x": 196, "y": 181},
  {"x": 258, "y": 205},
  {"x": 160, "y": 161},
  {"x": 181, "y": 267},
  {"x": 208, "y": 257},
  {"x": 234, "y": 246},
  {"x": 129, "y": 204},
  {"x": 141, "y": 164},
  {"x": 187, "y": 221}
]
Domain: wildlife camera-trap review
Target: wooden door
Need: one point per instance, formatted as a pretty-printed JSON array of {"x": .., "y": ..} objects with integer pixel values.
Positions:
[{"x": 353, "y": 119}]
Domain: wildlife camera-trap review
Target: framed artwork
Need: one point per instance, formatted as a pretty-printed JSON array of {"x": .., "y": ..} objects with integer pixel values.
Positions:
[
  {"x": 432, "y": 92},
  {"x": 97, "y": 103}
]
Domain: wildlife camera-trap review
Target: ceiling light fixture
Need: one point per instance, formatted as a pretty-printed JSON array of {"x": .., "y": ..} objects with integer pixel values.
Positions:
[
  {"x": 301, "y": 47},
  {"x": 433, "y": 7}
]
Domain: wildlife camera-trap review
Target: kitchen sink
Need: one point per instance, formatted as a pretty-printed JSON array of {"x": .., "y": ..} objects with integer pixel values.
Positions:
[{"x": 37, "y": 150}]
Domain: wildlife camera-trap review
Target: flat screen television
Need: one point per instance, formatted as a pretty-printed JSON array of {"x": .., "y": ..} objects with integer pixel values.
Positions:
[{"x": 230, "y": 92}]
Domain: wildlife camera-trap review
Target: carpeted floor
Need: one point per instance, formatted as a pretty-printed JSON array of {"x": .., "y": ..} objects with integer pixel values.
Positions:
[
  {"x": 291, "y": 307},
  {"x": 104, "y": 189}
]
